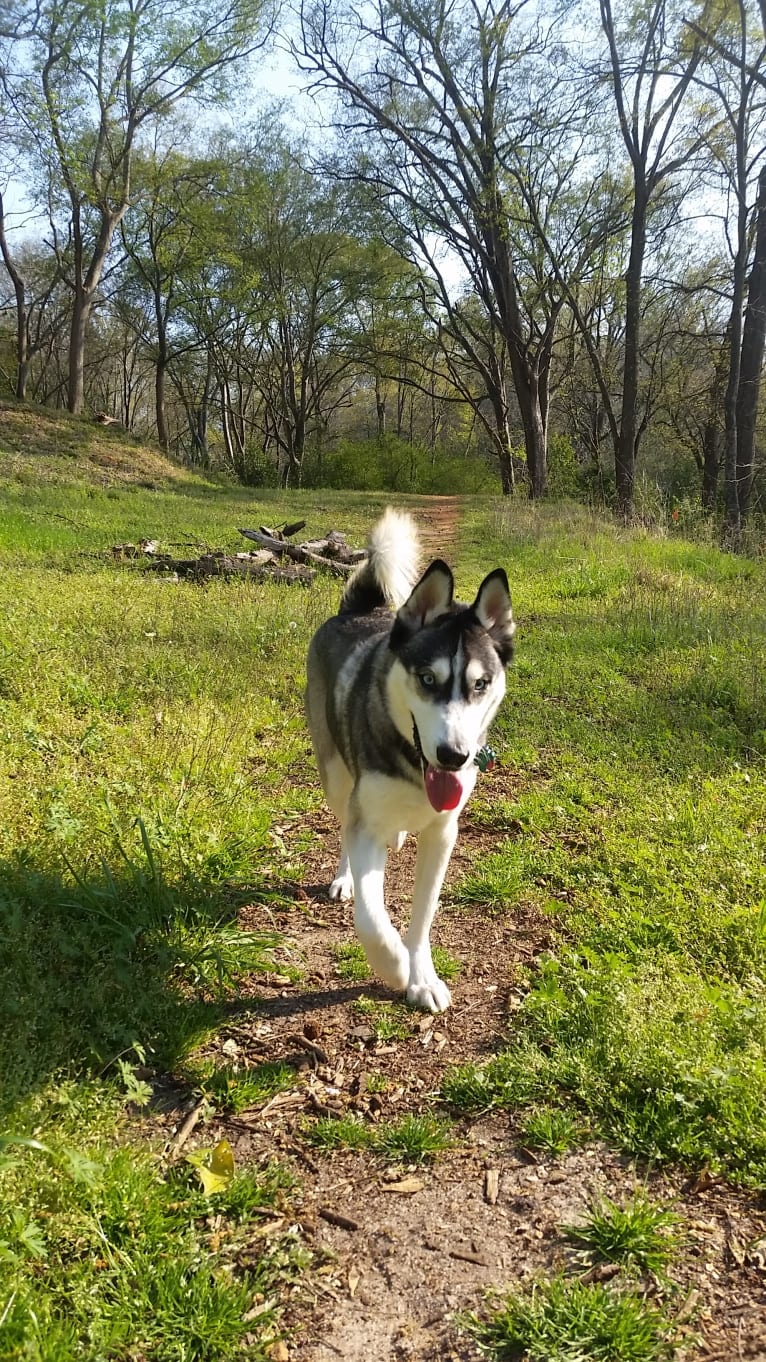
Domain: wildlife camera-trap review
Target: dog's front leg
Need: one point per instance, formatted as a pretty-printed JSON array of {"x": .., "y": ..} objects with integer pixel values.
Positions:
[
  {"x": 382, "y": 943},
  {"x": 424, "y": 987}
]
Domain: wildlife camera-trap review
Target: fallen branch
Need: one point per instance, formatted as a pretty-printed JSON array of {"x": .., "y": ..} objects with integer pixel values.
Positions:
[
  {"x": 333, "y": 552},
  {"x": 299, "y": 553}
]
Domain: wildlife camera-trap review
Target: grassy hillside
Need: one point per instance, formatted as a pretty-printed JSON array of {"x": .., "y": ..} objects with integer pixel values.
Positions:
[{"x": 153, "y": 754}]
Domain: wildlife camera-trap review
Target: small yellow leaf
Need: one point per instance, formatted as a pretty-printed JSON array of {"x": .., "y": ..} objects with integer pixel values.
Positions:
[{"x": 215, "y": 1167}]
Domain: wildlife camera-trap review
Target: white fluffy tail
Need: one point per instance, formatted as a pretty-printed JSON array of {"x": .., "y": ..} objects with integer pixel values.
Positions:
[{"x": 392, "y": 568}]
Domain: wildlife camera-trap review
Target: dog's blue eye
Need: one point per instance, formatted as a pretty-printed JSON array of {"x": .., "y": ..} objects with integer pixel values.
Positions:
[
  {"x": 481, "y": 684},
  {"x": 427, "y": 679}
]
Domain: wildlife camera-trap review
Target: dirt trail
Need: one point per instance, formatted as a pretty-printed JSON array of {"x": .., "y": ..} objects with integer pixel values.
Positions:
[
  {"x": 438, "y": 522},
  {"x": 389, "y": 1283}
]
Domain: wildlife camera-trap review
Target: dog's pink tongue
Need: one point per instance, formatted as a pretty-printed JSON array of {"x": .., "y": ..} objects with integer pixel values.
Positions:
[{"x": 444, "y": 788}]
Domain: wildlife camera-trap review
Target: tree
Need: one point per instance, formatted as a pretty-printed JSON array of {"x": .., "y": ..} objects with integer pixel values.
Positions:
[
  {"x": 442, "y": 88},
  {"x": 650, "y": 75},
  {"x": 88, "y": 80}
]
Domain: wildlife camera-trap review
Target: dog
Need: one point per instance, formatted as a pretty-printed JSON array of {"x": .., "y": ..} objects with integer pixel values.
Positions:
[{"x": 402, "y": 686}]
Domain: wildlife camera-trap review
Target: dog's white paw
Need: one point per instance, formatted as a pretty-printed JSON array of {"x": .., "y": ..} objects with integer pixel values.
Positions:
[
  {"x": 387, "y": 956},
  {"x": 433, "y": 996},
  {"x": 342, "y": 888}
]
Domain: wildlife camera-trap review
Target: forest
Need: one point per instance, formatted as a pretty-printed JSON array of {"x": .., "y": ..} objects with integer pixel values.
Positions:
[{"x": 466, "y": 245}]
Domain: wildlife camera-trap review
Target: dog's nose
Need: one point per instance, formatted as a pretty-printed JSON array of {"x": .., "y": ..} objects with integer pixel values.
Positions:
[{"x": 450, "y": 758}]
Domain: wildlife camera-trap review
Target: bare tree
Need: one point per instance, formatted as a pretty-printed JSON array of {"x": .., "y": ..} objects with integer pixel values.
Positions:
[
  {"x": 442, "y": 88},
  {"x": 83, "y": 86},
  {"x": 650, "y": 76}
]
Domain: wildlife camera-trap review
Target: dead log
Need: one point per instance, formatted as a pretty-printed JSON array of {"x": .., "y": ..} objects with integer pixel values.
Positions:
[
  {"x": 252, "y": 567},
  {"x": 298, "y": 552}
]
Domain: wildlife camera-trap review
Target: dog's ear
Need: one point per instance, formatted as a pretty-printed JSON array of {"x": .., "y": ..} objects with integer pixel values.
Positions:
[
  {"x": 429, "y": 599},
  {"x": 492, "y": 608}
]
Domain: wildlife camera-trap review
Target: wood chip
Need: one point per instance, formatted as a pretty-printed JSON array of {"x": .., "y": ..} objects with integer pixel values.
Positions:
[
  {"x": 406, "y": 1187},
  {"x": 192, "y": 1120},
  {"x": 491, "y": 1185},
  {"x": 468, "y": 1256},
  {"x": 344, "y": 1222}
]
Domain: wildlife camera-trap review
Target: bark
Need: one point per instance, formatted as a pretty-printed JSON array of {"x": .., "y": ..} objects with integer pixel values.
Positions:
[
  {"x": 711, "y": 435},
  {"x": 751, "y": 364},
  {"x": 625, "y": 461},
  {"x": 22, "y": 318}
]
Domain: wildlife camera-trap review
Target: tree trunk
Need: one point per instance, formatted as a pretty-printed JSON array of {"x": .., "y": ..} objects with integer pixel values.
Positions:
[
  {"x": 753, "y": 340},
  {"x": 81, "y": 308},
  {"x": 625, "y": 454},
  {"x": 22, "y": 322},
  {"x": 380, "y": 407},
  {"x": 159, "y": 404},
  {"x": 711, "y": 434}
]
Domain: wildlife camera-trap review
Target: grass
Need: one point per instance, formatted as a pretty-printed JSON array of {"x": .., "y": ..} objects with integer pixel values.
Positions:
[
  {"x": 234, "y": 1088},
  {"x": 387, "y": 1021},
  {"x": 640, "y": 1236},
  {"x": 351, "y": 962},
  {"x": 154, "y": 752},
  {"x": 411, "y": 1139},
  {"x": 550, "y": 1130},
  {"x": 569, "y": 1321}
]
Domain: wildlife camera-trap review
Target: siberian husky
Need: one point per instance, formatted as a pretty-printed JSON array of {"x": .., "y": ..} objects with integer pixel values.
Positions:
[{"x": 399, "y": 705}]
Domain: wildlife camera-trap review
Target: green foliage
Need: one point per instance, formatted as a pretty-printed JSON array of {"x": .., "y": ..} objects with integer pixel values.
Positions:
[
  {"x": 351, "y": 962},
  {"x": 391, "y": 464},
  {"x": 339, "y": 1132},
  {"x": 551, "y": 1130},
  {"x": 640, "y": 1235},
  {"x": 568, "y": 1321},
  {"x": 411, "y": 1139},
  {"x": 234, "y": 1088},
  {"x": 388, "y": 1021}
]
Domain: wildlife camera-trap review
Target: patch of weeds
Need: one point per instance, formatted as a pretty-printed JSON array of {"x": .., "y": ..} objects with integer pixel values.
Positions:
[
  {"x": 510, "y": 1079},
  {"x": 551, "y": 1130},
  {"x": 497, "y": 881},
  {"x": 569, "y": 1321},
  {"x": 339, "y": 1132},
  {"x": 413, "y": 1139},
  {"x": 447, "y": 966},
  {"x": 388, "y": 1021},
  {"x": 668, "y": 1065},
  {"x": 97, "y": 1245},
  {"x": 376, "y": 1083},
  {"x": 640, "y": 1235},
  {"x": 249, "y": 1191},
  {"x": 236, "y": 1089},
  {"x": 351, "y": 962}
]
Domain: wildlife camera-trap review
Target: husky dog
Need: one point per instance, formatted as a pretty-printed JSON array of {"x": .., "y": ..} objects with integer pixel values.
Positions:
[{"x": 399, "y": 706}]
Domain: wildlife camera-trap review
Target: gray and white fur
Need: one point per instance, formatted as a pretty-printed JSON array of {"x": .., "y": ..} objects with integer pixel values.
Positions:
[{"x": 399, "y": 705}]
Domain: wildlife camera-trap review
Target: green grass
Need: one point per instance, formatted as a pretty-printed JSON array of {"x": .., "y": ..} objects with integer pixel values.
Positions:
[
  {"x": 411, "y": 1139},
  {"x": 154, "y": 751},
  {"x": 234, "y": 1088},
  {"x": 640, "y": 1235},
  {"x": 568, "y": 1321},
  {"x": 550, "y": 1130},
  {"x": 351, "y": 962},
  {"x": 387, "y": 1021}
]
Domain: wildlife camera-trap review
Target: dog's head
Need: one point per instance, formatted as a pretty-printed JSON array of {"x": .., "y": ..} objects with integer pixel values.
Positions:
[{"x": 448, "y": 676}]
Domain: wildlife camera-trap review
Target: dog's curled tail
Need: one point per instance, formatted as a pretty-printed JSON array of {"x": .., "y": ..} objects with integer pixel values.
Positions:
[{"x": 391, "y": 569}]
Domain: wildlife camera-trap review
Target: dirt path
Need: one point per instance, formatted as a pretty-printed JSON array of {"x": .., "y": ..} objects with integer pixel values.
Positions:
[
  {"x": 438, "y": 523},
  {"x": 399, "y": 1252},
  {"x": 389, "y": 1283}
]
